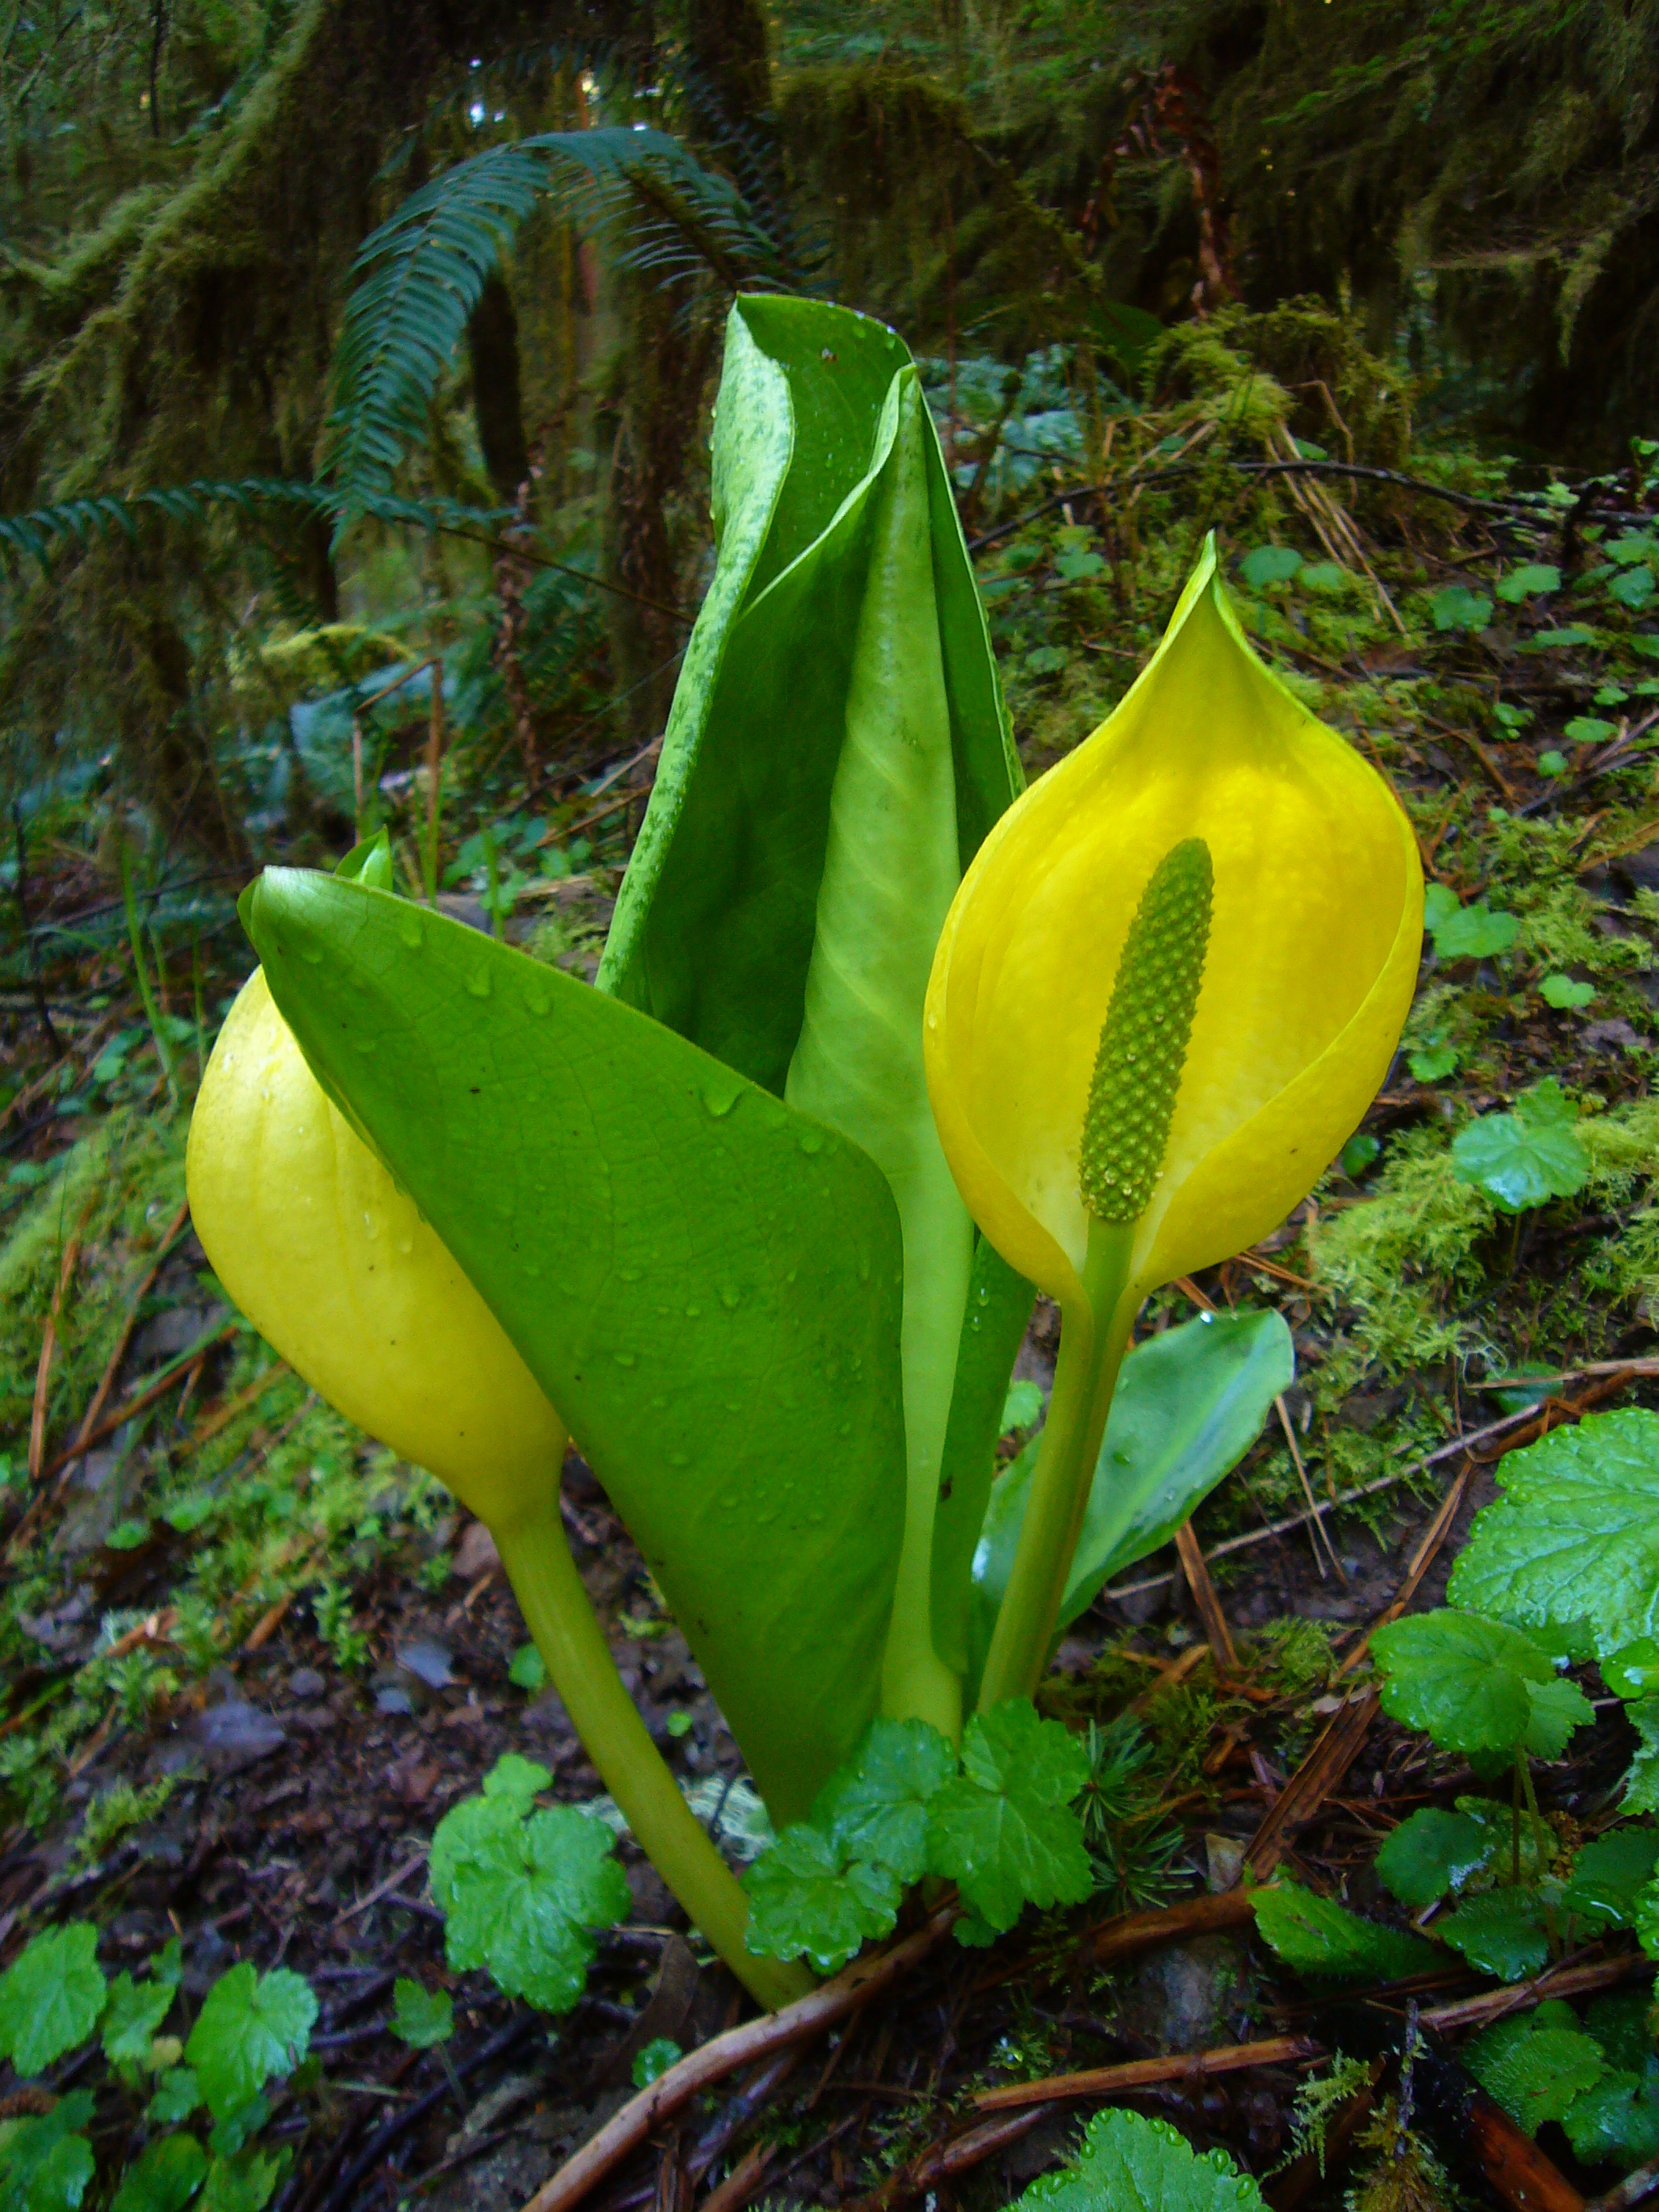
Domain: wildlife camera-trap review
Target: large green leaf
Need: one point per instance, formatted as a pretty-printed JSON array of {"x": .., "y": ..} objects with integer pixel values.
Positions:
[
  {"x": 715, "y": 926},
  {"x": 705, "y": 1282},
  {"x": 1535, "y": 2064},
  {"x": 1571, "y": 1548},
  {"x": 1126, "y": 2163},
  {"x": 1476, "y": 1685},
  {"x": 1188, "y": 1406},
  {"x": 1317, "y": 1936}
]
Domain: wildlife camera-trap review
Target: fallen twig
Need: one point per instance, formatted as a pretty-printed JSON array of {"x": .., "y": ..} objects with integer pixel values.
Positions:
[
  {"x": 154, "y": 1629},
  {"x": 124, "y": 1336},
  {"x": 748, "y": 2175},
  {"x": 1144, "y": 479},
  {"x": 1191, "y": 1555},
  {"x": 1316, "y": 1526},
  {"x": 88, "y": 1051},
  {"x": 383, "y": 1888},
  {"x": 49, "y": 1344},
  {"x": 227, "y": 1411},
  {"x": 1421, "y": 1560},
  {"x": 1554, "y": 1982},
  {"x": 142, "y": 1400},
  {"x": 740, "y": 2046},
  {"x": 1637, "y": 2186},
  {"x": 1333, "y": 1753},
  {"x": 344, "y": 2191},
  {"x": 757, "y": 2091},
  {"x": 1145, "y": 2072},
  {"x": 1134, "y": 1932},
  {"x": 951, "y": 2154}
]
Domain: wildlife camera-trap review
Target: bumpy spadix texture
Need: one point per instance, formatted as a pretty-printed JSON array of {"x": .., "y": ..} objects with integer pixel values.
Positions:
[
  {"x": 1313, "y": 956},
  {"x": 1143, "y": 1041},
  {"x": 334, "y": 1266}
]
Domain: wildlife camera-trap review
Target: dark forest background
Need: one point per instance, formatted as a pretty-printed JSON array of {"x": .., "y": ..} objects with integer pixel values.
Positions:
[{"x": 242, "y": 468}]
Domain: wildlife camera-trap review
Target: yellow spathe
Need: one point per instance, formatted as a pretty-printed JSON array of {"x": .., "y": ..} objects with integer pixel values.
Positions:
[
  {"x": 1312, "y": 959},
  {"x": 334, "y": 1266}
]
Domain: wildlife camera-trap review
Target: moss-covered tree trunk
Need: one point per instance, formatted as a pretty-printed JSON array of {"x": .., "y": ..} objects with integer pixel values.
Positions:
[
  {"x": 661, "y": 390},
  {"x": 492, "y": 338}
]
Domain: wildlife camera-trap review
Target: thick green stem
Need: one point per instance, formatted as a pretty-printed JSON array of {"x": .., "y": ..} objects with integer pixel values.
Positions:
[
  {"x": 1543, "y": 1840},
  {"x": 1514, "y": 1820},
  {"x": 538, "y": 1565},
  {"x": 1091, "y": 1346}
]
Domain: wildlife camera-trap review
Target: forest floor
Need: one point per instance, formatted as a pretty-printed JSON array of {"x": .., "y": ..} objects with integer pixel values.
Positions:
[{"x": 249, "y": 1660}]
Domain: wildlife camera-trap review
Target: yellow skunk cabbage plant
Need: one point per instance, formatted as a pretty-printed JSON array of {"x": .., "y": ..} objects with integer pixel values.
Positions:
[
  {"x": 1166, "y": 992},
  {"x": 878, "y": 1043}
]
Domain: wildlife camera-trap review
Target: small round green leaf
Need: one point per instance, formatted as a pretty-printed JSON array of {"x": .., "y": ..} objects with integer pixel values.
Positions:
[
  {"x": 1359, "y": 1153},
  {"x": 1533, "y": 579},
  {"x": 1527, "y": 1157},
  {"x": 164, "y": 2178},
  {"x": 806, "y": 1897},
  {"x": 250, "y": 2027},
  {"x": 1474, "y": 1685},
  {"x": 1633, "y": 1672},
  {"x": 421, "y": 2018},
  {"x": 1562, "y": 992},
  {"x": 1268, "y": 564},
  {"x": 655, "y": 2059},
  {"x": 1455, "y": 607},
  {"x": 50, "y": 1996},
  {"x": 1431, "y": 1852},
  {"x": 1127, "y": 2161},
  {"x": 1571, "y": 1548},
  {"x": 1534, "y": 2064}
]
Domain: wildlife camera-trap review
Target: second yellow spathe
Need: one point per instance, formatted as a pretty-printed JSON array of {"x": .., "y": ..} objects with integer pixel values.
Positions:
[{"x": 334, "y": 1266}]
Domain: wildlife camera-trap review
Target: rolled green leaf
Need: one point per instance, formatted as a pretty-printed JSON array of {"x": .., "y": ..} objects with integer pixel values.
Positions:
[
  {"x": 836, "y": 751},
  {"x": 705, "y": 1282},
  {"x": 890, "y": 871},
  {"x": 716, "y": 921}
]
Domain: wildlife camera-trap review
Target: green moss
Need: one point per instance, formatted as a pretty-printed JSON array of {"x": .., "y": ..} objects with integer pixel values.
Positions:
[
  {"x": 118, "y": 1187},
  {"x": 1297, "y": 1652},
  {"x": 1397, "y": 1259}
]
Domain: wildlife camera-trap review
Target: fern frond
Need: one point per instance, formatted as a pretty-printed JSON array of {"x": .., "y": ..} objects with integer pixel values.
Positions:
[
  {"x": 422, "y": 272},
  {"x": 35, "y": 533}
]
